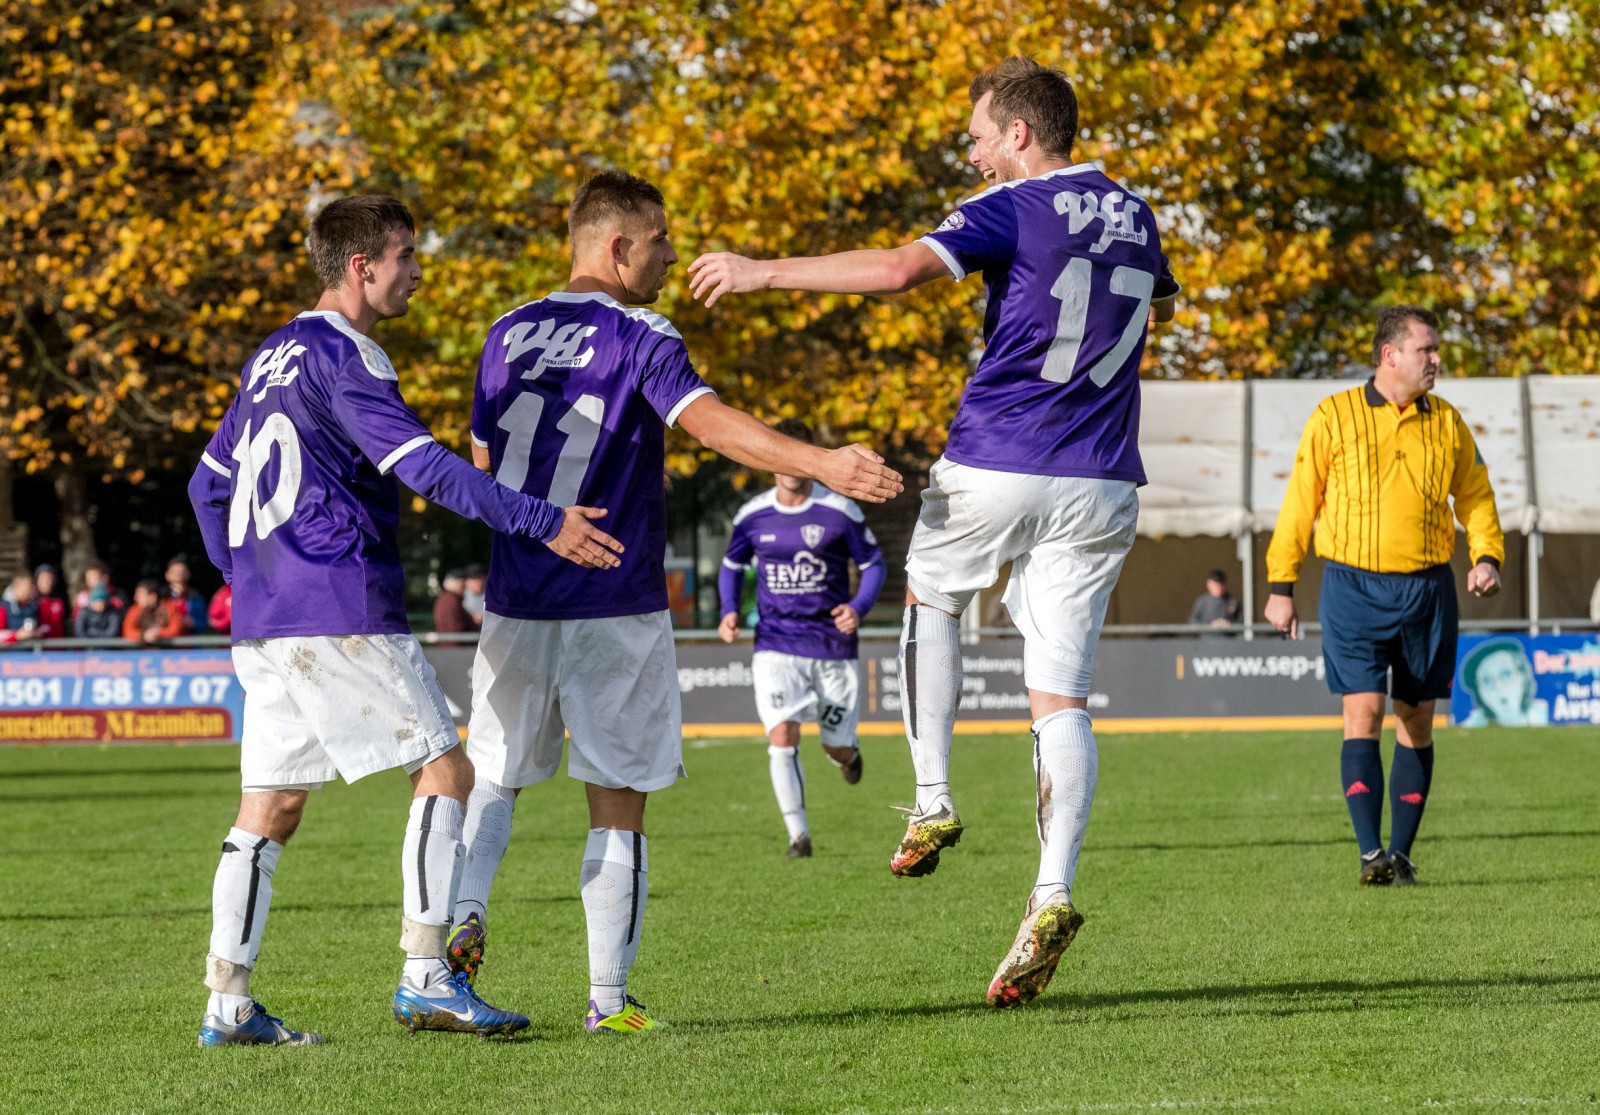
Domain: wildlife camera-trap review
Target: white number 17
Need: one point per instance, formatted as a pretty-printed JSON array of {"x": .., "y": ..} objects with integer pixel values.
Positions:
[{"x": 1072, "y": 288}]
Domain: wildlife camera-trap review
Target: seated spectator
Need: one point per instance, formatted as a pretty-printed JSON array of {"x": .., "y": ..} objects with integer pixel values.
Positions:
[
  {"x": 221, "y": 611},
  {"x": 98, "y": 573},
  {"x": 179, "y": 589},
  {"x": 52, "y": 603},
  {"x": 154, "y": 616},
  {"x": 100, "y": 618},
  {"x": 19, "y": 607},
  {"x": 477, "y": 578},
  {"x": 449, "y": 616},
  {"x": 1216, "y": 607}
]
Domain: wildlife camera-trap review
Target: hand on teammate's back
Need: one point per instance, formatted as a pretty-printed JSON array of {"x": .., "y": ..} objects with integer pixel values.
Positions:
[
  {"x": 583, "y": 544},
  {"x": 858, "y": 472}
]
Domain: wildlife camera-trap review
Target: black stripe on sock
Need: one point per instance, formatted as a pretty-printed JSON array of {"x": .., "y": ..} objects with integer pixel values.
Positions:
[
  {"x": 422, "y": 853},
  {"x": 633, "y": 912},
  {"x": 255, "y": 885},
  {"x": 911, "y": 672},
  {"x": 799, "y": 776}
]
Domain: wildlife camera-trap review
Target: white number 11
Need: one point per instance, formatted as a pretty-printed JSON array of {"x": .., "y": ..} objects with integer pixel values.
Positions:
[{"x": 1072, "y": 288}]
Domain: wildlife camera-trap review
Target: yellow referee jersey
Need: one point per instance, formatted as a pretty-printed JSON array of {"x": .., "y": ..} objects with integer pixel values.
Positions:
[{"x": 1377, "y": 482}]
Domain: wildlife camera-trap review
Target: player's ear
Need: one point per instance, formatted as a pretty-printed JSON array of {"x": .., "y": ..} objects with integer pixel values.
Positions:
[{"x": 617, "y": 245}]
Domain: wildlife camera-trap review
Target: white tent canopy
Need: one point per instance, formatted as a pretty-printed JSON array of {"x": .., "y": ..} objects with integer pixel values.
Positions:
[{"x": 1219, "y": 454}]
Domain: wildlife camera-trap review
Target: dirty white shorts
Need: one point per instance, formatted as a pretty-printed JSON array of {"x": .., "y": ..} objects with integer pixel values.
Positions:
[
  {"x": 790, "y": 687},
  {"x": 612, "y": 682},
  {"x": 318, "y": 707}
]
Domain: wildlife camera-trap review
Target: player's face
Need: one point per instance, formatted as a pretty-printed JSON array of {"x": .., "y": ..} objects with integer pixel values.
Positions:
[
  {"x": 788, "y": 483},
  {"x": 393, "y": 279},
  {"x": 1417, "y": 357},
  {"x": 992, "y": 150},
  {"x": 649, "y": 258}
]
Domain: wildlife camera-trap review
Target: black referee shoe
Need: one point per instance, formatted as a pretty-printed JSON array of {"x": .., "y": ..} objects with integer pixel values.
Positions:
[
  {"x": 1405, "y": 872},
  {"x": 1377, "y": 869}
]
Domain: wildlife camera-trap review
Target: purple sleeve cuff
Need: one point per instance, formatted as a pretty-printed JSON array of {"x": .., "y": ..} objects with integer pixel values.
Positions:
[
  {"x": 437, "y": 474},
  {"x": 872, "y": 578}
]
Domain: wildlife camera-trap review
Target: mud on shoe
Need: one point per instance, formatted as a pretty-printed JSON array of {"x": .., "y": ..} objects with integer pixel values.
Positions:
[
  {"x": 452, "y": 1006},
  {"x": 1027, "y": 969},
  {"x": 464, "y": 951},
  {"x": 1377, "y": 869},
  {"x": 925, "y": 836}
]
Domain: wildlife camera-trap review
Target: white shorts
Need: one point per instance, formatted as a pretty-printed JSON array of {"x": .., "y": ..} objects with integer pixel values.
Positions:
[
  {"x": 612, "y": 683},
  {"x": 318, "y": 707},
  {"x": 790, "y": 687},
  {"x": 1066, "y": 538}
]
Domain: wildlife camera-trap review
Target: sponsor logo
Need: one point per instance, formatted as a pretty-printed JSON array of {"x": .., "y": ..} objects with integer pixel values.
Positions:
[{"x": 806, "y": 573}]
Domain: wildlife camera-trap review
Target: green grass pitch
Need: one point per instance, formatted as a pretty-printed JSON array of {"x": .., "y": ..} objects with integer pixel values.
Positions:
[{"x": 1229, "y": 960}]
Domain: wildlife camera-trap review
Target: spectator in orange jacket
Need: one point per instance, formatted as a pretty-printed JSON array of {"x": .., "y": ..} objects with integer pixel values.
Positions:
[{"x": 154, "y": 616}]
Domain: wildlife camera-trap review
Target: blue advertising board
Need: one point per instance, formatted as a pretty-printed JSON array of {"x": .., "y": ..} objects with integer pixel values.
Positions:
[
  {"x": 1527, "y": 680},
  {"x": 119, "y": 696}
]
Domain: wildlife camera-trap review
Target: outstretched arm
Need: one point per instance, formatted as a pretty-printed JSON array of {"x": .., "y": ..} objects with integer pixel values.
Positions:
[
  {"x": 870, "y": 271},
  {"x": 853, "y": 471}
]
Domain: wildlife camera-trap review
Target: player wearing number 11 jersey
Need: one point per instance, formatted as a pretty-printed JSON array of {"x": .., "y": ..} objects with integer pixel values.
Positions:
[
  {"x": 574, "y": 394},
  {"x": 1042, "y": 462},
  {"x": 298, "y": 504}
]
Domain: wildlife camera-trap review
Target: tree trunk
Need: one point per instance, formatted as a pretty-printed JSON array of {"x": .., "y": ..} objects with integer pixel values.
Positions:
[
  {"x": 13, "y": 535},
  {"x": 77, "y": 537}
]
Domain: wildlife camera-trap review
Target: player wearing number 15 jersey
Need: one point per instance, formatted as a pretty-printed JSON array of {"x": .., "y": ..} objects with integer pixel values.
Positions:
[
  {"x": 298, "y": 503},
  {"x": 1042, "y": 462},
  {"x": 574, "y": 394}
]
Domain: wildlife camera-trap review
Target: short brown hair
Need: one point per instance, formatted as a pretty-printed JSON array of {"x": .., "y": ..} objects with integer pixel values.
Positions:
[
  {"x": 609, "y": 195},
  {"x": 354, "y": 226},
  {"x": 793, "y": 427},
  {"x": 1393, "y": 325},
  {"x": 1040, "y": 96}
]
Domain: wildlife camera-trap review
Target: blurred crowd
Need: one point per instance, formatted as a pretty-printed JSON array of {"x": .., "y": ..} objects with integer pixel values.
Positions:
[{"x": 36, "y": 606}]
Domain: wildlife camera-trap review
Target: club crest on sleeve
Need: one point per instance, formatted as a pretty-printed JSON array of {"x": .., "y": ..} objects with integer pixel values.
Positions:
[{"x": 952, "y": 222}]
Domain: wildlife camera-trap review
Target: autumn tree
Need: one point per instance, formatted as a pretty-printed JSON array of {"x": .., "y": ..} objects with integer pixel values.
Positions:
[{"x": 157, "y": 165}]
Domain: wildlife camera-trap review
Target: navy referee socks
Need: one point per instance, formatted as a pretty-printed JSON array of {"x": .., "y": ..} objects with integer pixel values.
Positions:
[{"x": 1361, "y": 774}]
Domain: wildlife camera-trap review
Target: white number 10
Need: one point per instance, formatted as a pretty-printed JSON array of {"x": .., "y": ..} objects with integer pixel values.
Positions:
[{"x": 1072, "y": 288}]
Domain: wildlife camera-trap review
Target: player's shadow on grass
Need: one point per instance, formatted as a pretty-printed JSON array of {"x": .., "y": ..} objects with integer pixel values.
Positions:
[
  {"x": 107, "y": 795},
  {"x": 231, "y": 767},
  {"x": 1341, "y": 839}
]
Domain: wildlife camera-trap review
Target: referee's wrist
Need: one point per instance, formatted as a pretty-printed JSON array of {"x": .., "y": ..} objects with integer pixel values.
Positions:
[
  {"x": 1487, "y": 560},
  {"x": 1281, "y": 588}
]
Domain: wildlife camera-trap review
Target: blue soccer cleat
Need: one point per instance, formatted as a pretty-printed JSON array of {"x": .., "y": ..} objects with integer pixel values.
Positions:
[
  {"x": 452, "y": 1006},
  {"x": 256, "y": 1028}
]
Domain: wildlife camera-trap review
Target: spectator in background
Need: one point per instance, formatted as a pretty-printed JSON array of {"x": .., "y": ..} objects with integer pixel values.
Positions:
[
  {"x": 179, "y": 589},
  {"x": 155, "y": 615},
  {"x": 98, "y": 573},
  {"x": 100, "y": 617},
  {"x": 221, "y": 611},
  {"x": 472, "y": 596},
  {"x": 1216, "y": 607},
  {"x": 19, "y": 606},
  {"x": 52, "y": 600},
  {"x": 450, "y": 617}
]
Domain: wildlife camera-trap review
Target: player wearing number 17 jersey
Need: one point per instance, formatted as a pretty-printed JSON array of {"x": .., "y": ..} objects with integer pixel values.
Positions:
[
  {"x": 574, "y": 394},
  {"x": 1041, "y": 467},
  {"x": 298, "y": 503}
]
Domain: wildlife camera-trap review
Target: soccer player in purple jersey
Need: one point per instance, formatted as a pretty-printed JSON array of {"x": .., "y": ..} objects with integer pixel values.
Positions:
[
  {"x": 298, "y": 504},
  {"x": 801, "y": 539},
  {"x": 575, "y": 391},
  {"x": 1042, "y": 462}
]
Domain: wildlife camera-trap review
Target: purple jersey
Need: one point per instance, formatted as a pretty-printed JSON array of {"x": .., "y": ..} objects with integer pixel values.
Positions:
[
  {"x": 802, "y": 557},
  {"x": 307, "y": 448},
  {"x": 574, "y": 395},
  {"x": 1070, "y": 262}
]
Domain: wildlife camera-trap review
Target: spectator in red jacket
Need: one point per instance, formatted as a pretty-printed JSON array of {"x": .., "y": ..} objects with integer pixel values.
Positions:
[
  {"x": 52, "y": 601},
  {"x": 450, "y": 617},
  {"x": 221, "y": 611},
  {"x": 154, "y": 616}
]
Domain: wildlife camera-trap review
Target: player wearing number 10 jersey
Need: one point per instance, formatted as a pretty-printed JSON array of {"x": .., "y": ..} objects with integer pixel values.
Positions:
[
  {"x": 574, "y": 394},
  {"x": 1042, "y": 462},
  {"x": 298, "y": 504}
]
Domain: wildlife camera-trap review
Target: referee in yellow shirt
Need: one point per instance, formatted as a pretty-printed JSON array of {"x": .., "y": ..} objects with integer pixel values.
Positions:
[{"x": 1376, "y": 471}]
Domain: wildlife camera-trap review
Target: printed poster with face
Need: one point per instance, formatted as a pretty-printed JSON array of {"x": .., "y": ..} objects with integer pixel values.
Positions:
[{"x": 1520, "y": 681}]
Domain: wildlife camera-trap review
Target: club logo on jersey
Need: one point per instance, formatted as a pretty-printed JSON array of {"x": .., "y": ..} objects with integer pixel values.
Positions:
[
  {"x": 1116, "y": 211},
  {"x": 806, "y": 573},
  {"x": 812, "y": 533},
  {"x": 559, "y": 346},
  {"x": 271, "y": 366},
  {"x": 952, "y": 222}
]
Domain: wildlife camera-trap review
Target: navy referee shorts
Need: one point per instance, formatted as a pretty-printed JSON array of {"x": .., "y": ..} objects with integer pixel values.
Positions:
[{"x": 1375, "y": 623}]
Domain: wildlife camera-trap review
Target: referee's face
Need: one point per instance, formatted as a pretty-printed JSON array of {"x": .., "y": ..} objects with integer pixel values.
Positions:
[{"x": 1417, "y": 358}]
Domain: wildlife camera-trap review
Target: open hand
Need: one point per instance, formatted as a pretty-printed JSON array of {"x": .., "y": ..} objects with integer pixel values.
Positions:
[
  {"x": 718, "y": 273},
  {"x": 858, "y": 472},
  {"x": 583, "y": 544}
]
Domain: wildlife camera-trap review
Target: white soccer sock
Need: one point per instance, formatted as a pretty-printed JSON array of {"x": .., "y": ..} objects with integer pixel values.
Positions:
[
  {"x": 789, "y": 784},
  {"x": 930, "y": 693},
  {"x": 1066, "y": 763},
  {"x": 430, "y": 864},
  {"x": 240, "y": 897},
  {"x": 614, "y": 883},
  {"x": 487, "y": 835}
]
